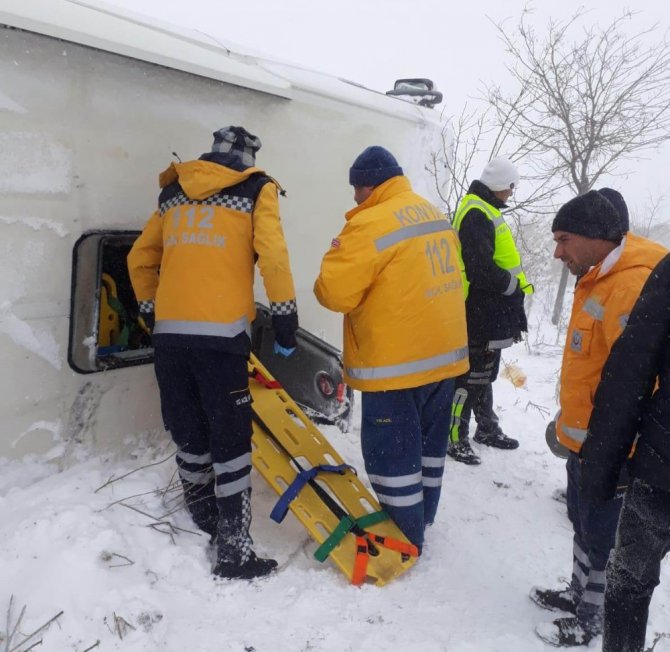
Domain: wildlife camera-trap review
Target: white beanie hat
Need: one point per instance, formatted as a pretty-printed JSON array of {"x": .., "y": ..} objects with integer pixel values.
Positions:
[{"x": 500, "y": 174}]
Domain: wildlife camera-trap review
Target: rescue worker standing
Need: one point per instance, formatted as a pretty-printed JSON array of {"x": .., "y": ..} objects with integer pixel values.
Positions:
[
  {"x": 611, "y": 268},
  {"x": 215, "y": 216},
  {"x": 393, "y": 271},
  {"x": 495, "y": 290}
]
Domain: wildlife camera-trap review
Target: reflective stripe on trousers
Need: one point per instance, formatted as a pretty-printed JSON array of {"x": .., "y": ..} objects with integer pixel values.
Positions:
[
  {"x": 432, "y": 471},
  {"x": 229, "y": 486},
  {"x": 193, "y": 468},
  {"x": 381, "y": 482}
]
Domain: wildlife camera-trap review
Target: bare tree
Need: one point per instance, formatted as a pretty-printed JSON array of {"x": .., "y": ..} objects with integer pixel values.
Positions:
[
  {"x": 643, "y": 223},
  {"x": 461, "y": 144},
  {"x": 478, "y": 134},
  {"x": 468, "y": 135},
  {"x": 591, "y": 97}
]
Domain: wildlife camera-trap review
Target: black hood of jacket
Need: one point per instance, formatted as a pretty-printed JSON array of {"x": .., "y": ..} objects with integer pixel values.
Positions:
[
  {"x": 485, "y": 193},
  {"x": 226, "y": 159}
]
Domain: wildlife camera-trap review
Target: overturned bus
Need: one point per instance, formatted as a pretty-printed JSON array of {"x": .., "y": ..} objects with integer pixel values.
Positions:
[{"x": 95, "y": 103}]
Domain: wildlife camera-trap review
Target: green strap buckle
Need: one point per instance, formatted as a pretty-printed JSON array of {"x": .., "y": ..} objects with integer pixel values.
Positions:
[{"x": 343, "y": 528}]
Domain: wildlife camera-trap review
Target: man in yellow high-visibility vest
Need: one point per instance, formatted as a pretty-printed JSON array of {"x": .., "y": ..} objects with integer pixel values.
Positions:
[{"x": 495, "y": 288}]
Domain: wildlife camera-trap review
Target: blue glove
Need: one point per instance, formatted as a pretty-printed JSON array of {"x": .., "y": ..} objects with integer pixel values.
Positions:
[{"x": 282, "y": 350}]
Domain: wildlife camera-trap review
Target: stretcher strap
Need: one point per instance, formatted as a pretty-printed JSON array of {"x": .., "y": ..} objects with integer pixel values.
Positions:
[
  {"x": 403, "y": 547},
  {"x": 344, "y": 526},
  {"x": 360, "y": 570},
  {"x": 301, "y": 479},
  {"x": 363, "y": 550},
  {"x": 264, "y": 380}
]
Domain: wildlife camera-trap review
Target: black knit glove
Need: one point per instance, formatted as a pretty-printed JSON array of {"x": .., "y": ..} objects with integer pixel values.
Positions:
[
  {"x": 285, "y": 327},
  {"x": 147, "y": 316}
]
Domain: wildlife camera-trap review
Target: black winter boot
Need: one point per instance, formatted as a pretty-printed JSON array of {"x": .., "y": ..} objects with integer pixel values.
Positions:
[
  {"x": 555, "y": 599},
  {"x": 235, "y": 557},
  {"x": 248, "y": 570},
  {"x": 565, "y": 632},
  {"x": 497, "y": 439},
  {"x": 461, "y": 451},
  {"x": 201, "y": 504}
]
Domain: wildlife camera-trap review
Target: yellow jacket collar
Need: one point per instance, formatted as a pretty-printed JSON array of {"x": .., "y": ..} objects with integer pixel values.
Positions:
[
  {"x": 201, "y": 179},
  {"x": 383, "y": 192}
]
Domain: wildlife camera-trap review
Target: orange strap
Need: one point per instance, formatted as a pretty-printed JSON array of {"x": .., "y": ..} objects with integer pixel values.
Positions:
[
  {"x": 394, "y": 544},
  {"x": 266, "y": 382},
  {"x": 363, "y": 553},
  {"x": 361, "y": 561}
]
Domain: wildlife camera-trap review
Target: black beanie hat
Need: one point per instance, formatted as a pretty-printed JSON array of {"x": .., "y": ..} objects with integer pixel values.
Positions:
[
  {"x": 590, "y": 215},
  {"x": 373, "y": 166},
  {"x": 617, "y": 200}
]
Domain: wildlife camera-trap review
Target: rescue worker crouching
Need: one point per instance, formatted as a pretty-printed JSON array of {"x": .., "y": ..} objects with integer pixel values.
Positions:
[
  {"x": 215, "y": 216},
  {"x": 393, "y": 271}
]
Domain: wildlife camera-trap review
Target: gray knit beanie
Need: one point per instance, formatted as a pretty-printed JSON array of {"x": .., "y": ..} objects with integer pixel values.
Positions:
[{"x": 237, "y": 141}]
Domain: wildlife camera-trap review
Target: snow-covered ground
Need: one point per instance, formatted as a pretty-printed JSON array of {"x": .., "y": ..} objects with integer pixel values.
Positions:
[{"x": 67, "y": 547}]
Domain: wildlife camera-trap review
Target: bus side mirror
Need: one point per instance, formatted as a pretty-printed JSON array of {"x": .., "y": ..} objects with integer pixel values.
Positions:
[{"x": 419, "y": 90}]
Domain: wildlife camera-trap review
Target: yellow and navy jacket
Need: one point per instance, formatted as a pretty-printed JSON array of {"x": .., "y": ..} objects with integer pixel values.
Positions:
[
  {"x": 604, "y": 298},
  {"x": 394, "y": 273},
  {"x": 195, "y": 257}
]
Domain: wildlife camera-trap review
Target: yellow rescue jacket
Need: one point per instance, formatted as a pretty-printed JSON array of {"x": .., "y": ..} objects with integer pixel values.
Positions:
[
  {"x": 604, "y": 297},
  {"x": 394, "y": 273},
  {"x": 204, "y": 237}
]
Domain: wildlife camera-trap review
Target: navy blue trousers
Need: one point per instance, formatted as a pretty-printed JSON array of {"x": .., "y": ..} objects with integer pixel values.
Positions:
[
  {"x": 634, "y": 569},
  {"x": 206, "y": 406},
  {"x": 404, "y": 439},
  {"x": 594, "y": 527}
]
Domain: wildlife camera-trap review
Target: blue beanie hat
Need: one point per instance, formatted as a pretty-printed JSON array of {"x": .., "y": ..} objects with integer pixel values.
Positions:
[
  {"x": 373, "y": 166},
  {"x": 617, "y": 200}
]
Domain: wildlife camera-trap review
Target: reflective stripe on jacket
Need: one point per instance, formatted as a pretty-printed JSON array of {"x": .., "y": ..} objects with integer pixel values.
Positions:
[
  {"x": 505, "y": 253},
  {"x": 211, "y": 223},
  {"x": 393, "y": 271},
  {"x": 604, "y": 297}
]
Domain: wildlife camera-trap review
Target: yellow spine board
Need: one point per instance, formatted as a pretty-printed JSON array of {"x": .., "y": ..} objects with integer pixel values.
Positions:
[
  {"x": 109, "y": 325},
  {"x": 305, "y": 443}
]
